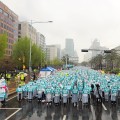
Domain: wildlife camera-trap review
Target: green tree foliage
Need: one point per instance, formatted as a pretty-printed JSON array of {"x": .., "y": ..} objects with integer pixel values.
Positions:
[
  {"x": 108, "y": 61},
  {"x": 37, "y": 56},
  {"x": 57, "y": 62},
  {"x": 7, "y": 64},
  {"x": 3, "y": 44},
  {"x": 96, "y": 62},
  {"x": 112, "y": 60},
  {"x": 21, "y": 53}
]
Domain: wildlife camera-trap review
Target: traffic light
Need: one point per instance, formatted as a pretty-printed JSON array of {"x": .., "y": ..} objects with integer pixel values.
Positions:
[
  {"x": 84, "y": 50},
  {"x": 107, "y": 51}
]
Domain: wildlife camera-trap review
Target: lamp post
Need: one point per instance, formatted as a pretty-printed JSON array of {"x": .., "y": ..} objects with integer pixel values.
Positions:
[
  {"x": 66, "y": 61},
  {"x": 31, "y": 23}
]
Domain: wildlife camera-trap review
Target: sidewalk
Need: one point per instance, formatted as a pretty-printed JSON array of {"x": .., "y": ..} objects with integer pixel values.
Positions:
[{"x": 12, "y": 86}]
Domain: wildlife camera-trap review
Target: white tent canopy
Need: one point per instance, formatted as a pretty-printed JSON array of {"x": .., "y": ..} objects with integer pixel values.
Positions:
[{"x": 44, "y": 72}]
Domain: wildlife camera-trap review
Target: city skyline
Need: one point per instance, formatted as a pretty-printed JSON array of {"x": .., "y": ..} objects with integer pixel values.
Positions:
[{"x": 86, "y": 20}]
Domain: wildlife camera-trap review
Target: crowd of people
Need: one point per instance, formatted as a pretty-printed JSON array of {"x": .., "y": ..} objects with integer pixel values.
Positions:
[{"x": 78, "y": 84}]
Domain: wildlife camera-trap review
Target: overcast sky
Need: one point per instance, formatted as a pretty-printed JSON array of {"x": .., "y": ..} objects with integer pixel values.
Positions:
[{"x": 82, "y": 20}]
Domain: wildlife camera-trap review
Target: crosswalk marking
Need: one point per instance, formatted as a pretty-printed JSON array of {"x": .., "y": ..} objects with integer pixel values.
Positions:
[{"x": 13, "y": 113}]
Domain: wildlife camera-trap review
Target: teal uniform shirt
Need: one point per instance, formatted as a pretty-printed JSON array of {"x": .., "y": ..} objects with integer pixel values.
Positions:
[
  {"x": 19, "y": 89},
  {"x": 75, "y": 91}
]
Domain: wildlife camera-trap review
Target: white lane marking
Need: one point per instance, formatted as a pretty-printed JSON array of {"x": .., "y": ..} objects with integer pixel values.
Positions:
[
  {"x": 13, "y": 114},
  {"x": 104, "y": 106},
  {"x": 9, "y": 108},
  {"x": 92, "y": 110},
  {"x": 64, "y": 117},
  {"x": 11, "y": 98}
]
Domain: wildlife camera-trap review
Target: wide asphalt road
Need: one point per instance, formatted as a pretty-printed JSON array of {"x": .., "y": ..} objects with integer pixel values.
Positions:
[{"x": 25, "y": 110}]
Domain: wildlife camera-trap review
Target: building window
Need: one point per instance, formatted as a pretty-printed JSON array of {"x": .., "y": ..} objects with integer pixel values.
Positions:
[
  {"x": 19, "y": 27},
  {"x": 1, "y": 10},
  {"x": 19, "y": 32},
  {"x": 19, "y": 36},
  {"x": 2, "y": 25},
  {"x": 11, "y": 17},
  {"x": 6, "y": 14}
]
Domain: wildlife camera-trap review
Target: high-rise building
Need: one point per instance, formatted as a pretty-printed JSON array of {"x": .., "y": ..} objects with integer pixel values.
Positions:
[
  {"x": 58, "y": 51},
  {"x": 69, "y": 50},
  {"x": 8, "y": 25},
  {"x": 40, "y": 41},
  {"x": 69, "y": 47},
  {"x": 96, "y": 46},
  {"x": 52, "y": 52},
  {"x": 75, "y": 58},
  {"x": 26, "y": 30}
]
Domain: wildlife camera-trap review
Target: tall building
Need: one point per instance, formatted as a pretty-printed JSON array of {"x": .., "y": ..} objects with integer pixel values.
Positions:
[
  {"x": 52, "y": 52},
  {"x": 8, "y": 25},
  {"x": 58, "y": 51},
  {"x": 69, "y": 47},
  {"x": 40, "y": 41},
  {"x": 96, "y": 46},
  {"x": 75, "y": 58},
  {"x": 26, "y": 30},
  {"x": 69, "y": 50}
]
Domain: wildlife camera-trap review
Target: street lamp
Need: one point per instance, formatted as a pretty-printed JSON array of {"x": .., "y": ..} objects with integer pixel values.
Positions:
[
  {"x": 31, "y": 23},
  {"x": 66, "y": 61}
]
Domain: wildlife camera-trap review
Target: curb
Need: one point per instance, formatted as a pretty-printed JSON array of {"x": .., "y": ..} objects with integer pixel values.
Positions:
[{"x": 12, "y": 93}]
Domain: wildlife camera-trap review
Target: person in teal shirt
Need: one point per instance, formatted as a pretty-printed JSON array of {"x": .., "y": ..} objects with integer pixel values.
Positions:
[
  {"x": 75, "y": 96},
  {"x": 19, "y": 93},
  {"x": 113, "y": 95},
  {"x": 65, "y": 93},
  {"x": 49, "y": 95},
  {"x": 106, "y": 93},
  {"x": 57, "y": 95},
  {"x": 80, "y": 88}
]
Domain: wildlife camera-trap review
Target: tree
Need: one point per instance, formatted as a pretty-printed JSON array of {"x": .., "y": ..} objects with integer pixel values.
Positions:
[
  {"x": 37, "y": 56},
  {"x": 112, "y": 59},
  {"x": 64, "y": 58},
  {"x": 109, "y": 61},
  {"x": 21, "y": 53},
  {"x": 7, "y": 64},
  {"x": 96, "y": 62},
  {"x": 57, "y": 62},
  {"x": 3, "y": 44},
  {"x": 84, "y": 63}
]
